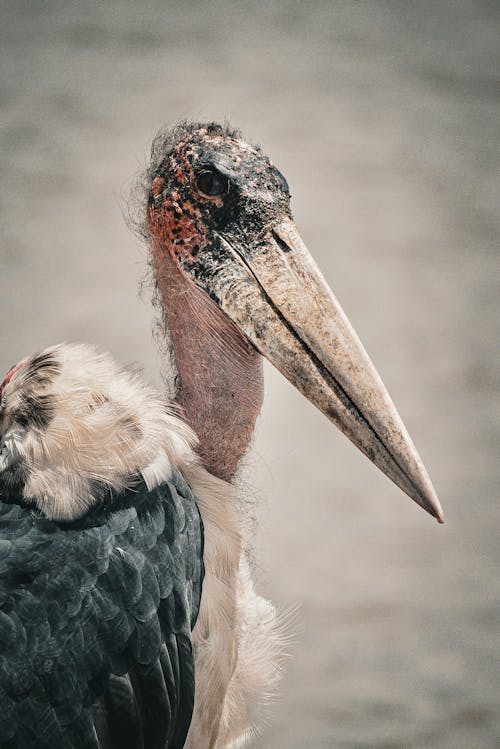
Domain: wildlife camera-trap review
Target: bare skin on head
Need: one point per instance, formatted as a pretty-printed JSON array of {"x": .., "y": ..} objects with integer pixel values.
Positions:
[{"x": 236, "y": 281}]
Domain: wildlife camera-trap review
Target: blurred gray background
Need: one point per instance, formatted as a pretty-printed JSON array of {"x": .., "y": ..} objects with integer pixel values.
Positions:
[{"x": 384, "y": 117}]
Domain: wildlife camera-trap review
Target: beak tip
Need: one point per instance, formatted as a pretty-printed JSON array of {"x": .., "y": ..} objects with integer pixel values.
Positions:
[
  {"x": 437, "y": 512},
  {"x": 433, "y": 506},
  {"x": 439, "y": 516}
]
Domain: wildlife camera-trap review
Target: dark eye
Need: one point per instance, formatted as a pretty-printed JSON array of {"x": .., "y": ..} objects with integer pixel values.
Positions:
[
  {"x": 211, "y": 183},
  {"x": 283, "y": 181}
]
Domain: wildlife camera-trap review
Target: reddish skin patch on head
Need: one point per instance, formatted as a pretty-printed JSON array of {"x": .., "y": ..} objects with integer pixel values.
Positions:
[
  {"x": 157, "y": 186},
  {"x": 179, "y": 224},
  {"x": 181, "y": 231}
]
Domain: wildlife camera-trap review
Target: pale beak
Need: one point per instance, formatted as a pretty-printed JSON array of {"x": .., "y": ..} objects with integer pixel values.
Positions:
[{"x": 274, "y": 292}]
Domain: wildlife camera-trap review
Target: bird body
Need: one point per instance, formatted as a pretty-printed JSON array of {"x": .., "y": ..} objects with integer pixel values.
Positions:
[
  {"x": 100, "y": 610},
  {"x": 125, "y": 559},
  {"x": 109, "y": 526},
  {"x": 101, "y": 561}
]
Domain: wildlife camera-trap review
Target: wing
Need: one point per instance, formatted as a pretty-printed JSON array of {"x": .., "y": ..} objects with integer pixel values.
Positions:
[{"x": 95, "y": 623}]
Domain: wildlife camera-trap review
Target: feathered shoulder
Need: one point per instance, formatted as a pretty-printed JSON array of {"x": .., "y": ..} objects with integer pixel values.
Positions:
[{"x": 75, "y": 426}]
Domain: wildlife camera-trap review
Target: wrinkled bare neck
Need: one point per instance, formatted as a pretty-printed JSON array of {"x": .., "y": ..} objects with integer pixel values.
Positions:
[{"x": 220, "y": 374}]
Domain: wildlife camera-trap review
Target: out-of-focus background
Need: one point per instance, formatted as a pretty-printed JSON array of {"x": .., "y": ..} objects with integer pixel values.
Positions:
[{"x": 384, "y": 117}]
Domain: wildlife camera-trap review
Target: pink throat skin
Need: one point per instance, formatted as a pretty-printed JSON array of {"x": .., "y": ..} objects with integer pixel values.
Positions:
[{"x": 220, "y": 385}]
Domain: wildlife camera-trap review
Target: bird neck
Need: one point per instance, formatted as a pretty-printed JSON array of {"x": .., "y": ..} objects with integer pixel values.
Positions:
[{"x": 219, "y": 380}]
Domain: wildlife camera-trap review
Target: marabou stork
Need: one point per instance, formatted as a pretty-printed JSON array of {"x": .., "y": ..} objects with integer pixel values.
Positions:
[{"x": 112, "y": 527}]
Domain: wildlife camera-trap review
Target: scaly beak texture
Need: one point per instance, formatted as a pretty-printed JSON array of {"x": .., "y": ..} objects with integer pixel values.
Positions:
[{"x": 274, "y": 292}]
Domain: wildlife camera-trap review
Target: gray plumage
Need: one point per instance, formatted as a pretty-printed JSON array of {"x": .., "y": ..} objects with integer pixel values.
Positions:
[{"x": 96, "y": 610}]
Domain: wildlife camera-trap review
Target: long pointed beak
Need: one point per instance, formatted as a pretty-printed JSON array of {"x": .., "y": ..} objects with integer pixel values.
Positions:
[{"x": 277, "y": 296}]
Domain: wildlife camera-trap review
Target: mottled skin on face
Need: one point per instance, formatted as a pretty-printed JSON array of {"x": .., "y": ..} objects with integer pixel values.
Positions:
[
  {"x": 185, "y": 220},
  {"x": 220, "y": 380}
]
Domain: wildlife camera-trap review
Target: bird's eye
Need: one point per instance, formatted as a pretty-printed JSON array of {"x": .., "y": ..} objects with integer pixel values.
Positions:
[
  {"x": 283, "y": 181},
  {"x": 211, "y": 183}
]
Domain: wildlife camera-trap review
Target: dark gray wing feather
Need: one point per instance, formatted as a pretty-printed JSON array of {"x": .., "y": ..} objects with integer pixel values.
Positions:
[{"x": 95, "y": 623}]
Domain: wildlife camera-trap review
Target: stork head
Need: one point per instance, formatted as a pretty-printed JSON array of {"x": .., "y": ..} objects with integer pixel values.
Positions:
[
  {"x": 221, "y": 210},
  {"x": 208, "y": 183},
  {"x": 75, "y": 426}
]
